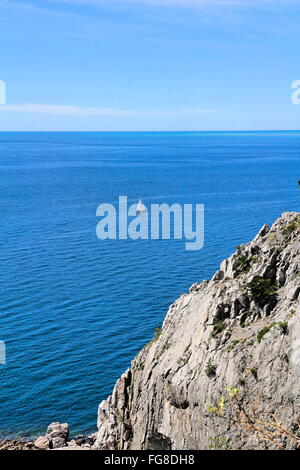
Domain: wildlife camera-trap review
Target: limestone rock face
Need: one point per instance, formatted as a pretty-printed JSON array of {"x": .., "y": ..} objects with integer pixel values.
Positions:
[{"x": 225, "y": 370}]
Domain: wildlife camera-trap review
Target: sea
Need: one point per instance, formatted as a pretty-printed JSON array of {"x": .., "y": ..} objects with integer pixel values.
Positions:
[{"x": 74, "y": 309}]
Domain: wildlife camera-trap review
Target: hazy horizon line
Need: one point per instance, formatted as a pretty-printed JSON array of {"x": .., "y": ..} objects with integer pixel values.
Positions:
[{"x": 149, "y": 131}]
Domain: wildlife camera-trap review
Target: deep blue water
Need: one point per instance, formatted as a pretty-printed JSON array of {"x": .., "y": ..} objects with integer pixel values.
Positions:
[{"x": 75, "y": 310}]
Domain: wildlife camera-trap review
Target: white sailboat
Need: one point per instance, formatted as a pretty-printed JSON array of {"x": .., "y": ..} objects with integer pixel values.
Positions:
[{"x": 140, "y": 207}]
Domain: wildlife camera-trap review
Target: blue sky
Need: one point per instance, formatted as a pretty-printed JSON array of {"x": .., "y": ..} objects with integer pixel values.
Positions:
[{"x": 149, "y": 64}]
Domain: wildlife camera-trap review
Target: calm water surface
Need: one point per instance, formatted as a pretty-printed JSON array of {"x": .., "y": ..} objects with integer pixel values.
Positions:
[{"x": 75, "y": 310}]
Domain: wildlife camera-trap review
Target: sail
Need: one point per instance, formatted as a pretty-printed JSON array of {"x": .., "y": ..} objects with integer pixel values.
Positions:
[{"x": 141, "y": 207}]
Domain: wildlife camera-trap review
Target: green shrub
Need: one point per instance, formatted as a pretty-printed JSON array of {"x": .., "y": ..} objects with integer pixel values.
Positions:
[
  {"x": 291, "y": 226},
  {"x": 218, "y": 328},
  {"x": 292, "y": 313},
  {"x": 264, "y": 331},
  {"x": 283, "y": 327},
  {"x": 157, "y": 333},
  {"x": 232, "y": 345},
  {"x": 210, "y": 369},
  {"x": 260, "y": 288},
  {"x": 140, "y": 366},
  {"x": 219, "y": 443},
  {"x": 242, "y": 262}
]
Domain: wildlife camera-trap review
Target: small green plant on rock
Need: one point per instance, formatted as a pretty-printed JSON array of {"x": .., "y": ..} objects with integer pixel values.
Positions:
[
  {"x": 233, "y": 344},
  {"x": 140, "y": 366},
  {"x": 219, "y": 443},
  {"x": 232, "y": 392},
  {"x": 283, "y": 327},
  {"x": 218, "y": 328},
  {"x": 157, "y": 333},
  {"x": 218, "y": 408},
  {"x": 210, "y": 369},
  {"x": 292, "y": 226},
  {"x": 264, "y": 331},
  {"x": 264, "y": 426},
  {"x": 242, "y": 262},
  {"x": 292, "y": 313},
  {"x": 259, "y": 289}
]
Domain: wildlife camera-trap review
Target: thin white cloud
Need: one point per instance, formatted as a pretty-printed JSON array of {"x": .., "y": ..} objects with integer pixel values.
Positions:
[
  {"x": 63, "y": 110},
  {"x": 184, "y": 3},
  {"x": 180, "y": 112},
  {"x": 208, "y": 6},
  {"x": 31, "y": 9},
  {"x": 199, "y": 4}
]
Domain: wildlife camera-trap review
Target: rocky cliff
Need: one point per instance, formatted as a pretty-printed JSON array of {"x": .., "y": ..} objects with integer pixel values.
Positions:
[{"x": 224, "y": 370}]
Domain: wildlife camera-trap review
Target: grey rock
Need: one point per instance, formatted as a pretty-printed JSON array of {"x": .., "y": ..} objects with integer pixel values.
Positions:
[
  {"x": 57, "y": 442},
  {"x": 218, "y": 276},
  {"x": 251, "y": 343},
  {"x": 72, "y": 443},
  {"x": 58, "y": 430},
  {"x": 42, "y": 443},
  {"x": 57, "y": 434}
]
